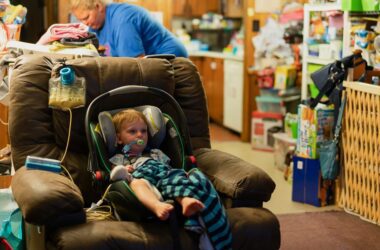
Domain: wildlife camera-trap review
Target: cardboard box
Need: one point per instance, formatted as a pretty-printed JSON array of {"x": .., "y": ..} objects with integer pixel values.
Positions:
[
  {"x": 262, "y": 125},
  {"x": 285, "y": 77},
  {"x": 308, "y": 186},
  {"x": 314, "y": 127}
]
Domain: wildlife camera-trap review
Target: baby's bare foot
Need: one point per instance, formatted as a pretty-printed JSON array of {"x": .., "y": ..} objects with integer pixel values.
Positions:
[
  {"x": 191, "y": 206},
  {"x": 162, "y": 210}
]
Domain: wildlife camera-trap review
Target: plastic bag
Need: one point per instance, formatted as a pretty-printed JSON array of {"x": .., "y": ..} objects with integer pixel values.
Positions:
[
  {"x": 328, "y": 158},
  {"x": 11, "y": 220},
  {"x": 67, "y": 91}
]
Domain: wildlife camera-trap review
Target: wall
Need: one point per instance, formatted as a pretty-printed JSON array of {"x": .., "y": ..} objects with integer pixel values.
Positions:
[
  {"x": 64, "y": 11},
  {"x": 34, "y": 26},
  {"x": 164, "y": 6}
]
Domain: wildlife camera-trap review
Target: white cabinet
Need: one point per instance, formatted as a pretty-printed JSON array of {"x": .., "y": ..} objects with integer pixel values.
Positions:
[
  {"x": 233, "y": 95},
  {"x": 319, "y": 60}
]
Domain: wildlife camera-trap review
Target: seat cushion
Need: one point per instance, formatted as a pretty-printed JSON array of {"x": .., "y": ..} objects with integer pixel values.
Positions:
[
  {"x": 259, "y": 229},
  {"x": 124, "y": 235}
]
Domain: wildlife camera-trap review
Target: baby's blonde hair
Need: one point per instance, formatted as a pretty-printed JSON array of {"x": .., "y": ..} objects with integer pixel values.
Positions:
[
  {"x": 129, "y": 116},
  {"x": 87, "y": 4}
]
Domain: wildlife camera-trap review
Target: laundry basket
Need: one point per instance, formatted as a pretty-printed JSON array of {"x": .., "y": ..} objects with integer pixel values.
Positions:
[{"x": 361, "y": 151}]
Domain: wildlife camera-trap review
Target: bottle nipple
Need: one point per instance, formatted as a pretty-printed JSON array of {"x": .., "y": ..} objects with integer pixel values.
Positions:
[{"x": 67, "y": 76}]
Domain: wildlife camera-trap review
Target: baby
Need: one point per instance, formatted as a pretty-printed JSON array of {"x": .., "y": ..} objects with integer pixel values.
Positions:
[{"x": 144, "y": 172}]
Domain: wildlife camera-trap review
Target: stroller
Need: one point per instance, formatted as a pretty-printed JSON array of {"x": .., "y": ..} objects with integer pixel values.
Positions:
[{"x": 172, "y": 137}]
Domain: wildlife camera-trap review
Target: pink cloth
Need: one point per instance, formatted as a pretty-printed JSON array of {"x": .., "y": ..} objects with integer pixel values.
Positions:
[{"x": 67, "y": 30}]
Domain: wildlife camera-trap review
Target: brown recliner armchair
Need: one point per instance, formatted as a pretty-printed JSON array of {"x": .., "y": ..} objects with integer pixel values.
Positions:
[{"x": 52, "y": 201}]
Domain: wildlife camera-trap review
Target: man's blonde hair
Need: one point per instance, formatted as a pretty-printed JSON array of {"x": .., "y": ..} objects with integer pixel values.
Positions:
[
  {"x": 87, "y": 4},
  {"x": 129, "y": 116}
]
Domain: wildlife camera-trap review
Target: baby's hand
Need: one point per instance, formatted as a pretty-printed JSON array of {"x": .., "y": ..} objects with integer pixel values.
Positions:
[
  {"x": 130, "y": 168},
  {"x": 120, "y": 172}
]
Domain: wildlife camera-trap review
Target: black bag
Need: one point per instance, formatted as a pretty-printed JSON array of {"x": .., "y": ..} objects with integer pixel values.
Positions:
[
  {"x": 329, "y": 80},
  {"x": 326, "y": 79}
]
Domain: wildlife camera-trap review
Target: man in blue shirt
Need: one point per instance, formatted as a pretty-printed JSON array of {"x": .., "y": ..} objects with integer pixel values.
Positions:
[{"x": 126, "y": 30}]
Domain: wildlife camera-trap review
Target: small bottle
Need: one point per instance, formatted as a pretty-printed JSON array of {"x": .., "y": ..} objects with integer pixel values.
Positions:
[{"x": 67, "y": 91}]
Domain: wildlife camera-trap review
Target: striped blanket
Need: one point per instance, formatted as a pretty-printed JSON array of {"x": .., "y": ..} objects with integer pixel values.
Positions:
[{"x": 174, "y": 183}]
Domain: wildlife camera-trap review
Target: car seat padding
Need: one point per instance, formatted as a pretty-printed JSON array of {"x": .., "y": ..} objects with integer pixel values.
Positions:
[{"x": 156, "y": 126}]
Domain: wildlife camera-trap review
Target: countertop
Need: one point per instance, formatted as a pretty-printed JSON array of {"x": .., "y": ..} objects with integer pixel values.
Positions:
[{"x": 215, "y": 54}]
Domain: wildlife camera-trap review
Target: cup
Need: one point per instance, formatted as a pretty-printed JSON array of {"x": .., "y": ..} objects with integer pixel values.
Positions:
[{"x": 13, "y": 31}]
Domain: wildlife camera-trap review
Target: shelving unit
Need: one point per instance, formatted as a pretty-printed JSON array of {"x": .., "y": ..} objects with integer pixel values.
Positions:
[{"x": 306, "y": 58}]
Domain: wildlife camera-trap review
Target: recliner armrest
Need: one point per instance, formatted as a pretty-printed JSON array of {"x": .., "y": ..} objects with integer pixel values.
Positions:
[
  {"x": 236, "y": 179},
  {"x": 45, "y": 197}
]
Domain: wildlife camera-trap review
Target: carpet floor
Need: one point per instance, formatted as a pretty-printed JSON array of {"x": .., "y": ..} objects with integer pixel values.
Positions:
[{"x": 327, "y": 230}]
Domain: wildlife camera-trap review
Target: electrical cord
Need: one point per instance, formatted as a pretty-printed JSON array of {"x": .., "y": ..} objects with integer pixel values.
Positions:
[
  {"x": 68, "y": 134},
  {"x": 100, "y": 212},
  {"x": 96, "y": 211},
  {"x": 3, "y": 122},
  {"x": 67, "y": 145}
]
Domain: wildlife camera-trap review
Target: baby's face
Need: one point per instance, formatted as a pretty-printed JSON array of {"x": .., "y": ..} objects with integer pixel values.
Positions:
[{"x": 131, "y": 133}]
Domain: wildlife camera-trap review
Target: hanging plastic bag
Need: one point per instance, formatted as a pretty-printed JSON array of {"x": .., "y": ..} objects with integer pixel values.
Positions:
[
  {"x": 329, "y": 150},
  {"x": 67, "y": 91},
  {"x": 328, "y": 157}
]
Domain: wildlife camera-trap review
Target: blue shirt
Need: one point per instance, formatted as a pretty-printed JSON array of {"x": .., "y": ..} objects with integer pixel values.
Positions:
[{"x": 131, "y": 31}]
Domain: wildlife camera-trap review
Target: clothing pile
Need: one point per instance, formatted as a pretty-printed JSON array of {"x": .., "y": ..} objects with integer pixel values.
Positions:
[{"x": 68, "y": 36}]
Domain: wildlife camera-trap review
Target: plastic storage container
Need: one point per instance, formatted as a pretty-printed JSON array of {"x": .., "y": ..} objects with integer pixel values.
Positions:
[
  {"x": 269, "y": 104},
  {"x": 279, "y": 104},
  {"x": 269, "y": 92}
]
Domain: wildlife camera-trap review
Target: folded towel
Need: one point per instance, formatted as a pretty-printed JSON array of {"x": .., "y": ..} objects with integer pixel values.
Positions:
[{"x": 67, "y": 30}]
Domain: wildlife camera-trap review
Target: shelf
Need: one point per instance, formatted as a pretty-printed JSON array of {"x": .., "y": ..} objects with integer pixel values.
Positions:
[
  {"x": 307, "y": 59},
  {"x": 214, "y": 30},
  {"x": 364, "y": 13},
  {"x": 323, "y": 7},
  {"x": 317, "y": 60}
]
